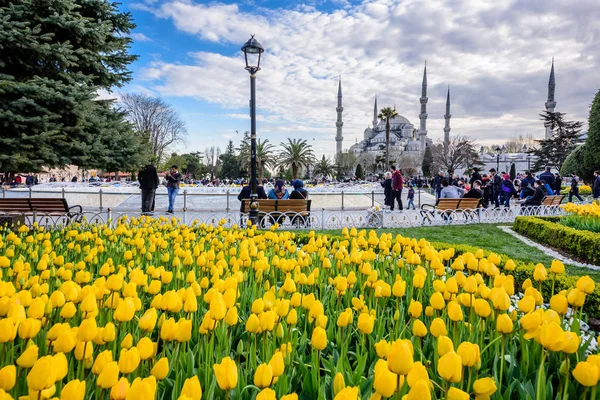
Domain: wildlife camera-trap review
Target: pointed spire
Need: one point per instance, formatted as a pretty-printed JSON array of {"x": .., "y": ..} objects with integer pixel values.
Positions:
[
  {"x": 448, "y": 101},
  {"x": 340, "y": 87},
  {"x": 339, "y": 123},
  {"x": 551, "y": 80},
  {"x": 447, "y": 117},
  {"x": 424, "y": 84},
  {"x": 375, "y": 115}
]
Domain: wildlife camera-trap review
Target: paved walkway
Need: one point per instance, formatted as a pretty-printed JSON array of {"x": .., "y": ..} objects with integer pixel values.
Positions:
[{"x": 547, "y": 250}]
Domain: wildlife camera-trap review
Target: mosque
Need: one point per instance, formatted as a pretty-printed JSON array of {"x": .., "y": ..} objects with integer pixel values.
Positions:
[{"x": 406, "y": 140}]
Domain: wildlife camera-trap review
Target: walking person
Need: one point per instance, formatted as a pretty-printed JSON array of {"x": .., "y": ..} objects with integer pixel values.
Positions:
[
  {"x": 508, "y": 190},
  {"x": 397, "y": 185},
  {"x": 173, "y": 179},
  {"x": 574, "y": 191},
  {"x": 411, "y": 198},
  {"x": 387, "y": 190},
  {"x": 495, "y": 183},
  {"x": 596, "y": 185},
  {"x": 148, "y": 179}
]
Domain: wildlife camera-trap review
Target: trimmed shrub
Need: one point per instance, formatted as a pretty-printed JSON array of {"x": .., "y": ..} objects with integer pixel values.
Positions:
[{"x": 581, "y": 244}]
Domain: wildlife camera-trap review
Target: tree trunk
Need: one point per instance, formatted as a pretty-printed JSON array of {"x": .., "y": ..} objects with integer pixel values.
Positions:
[
  {"x": 387, "y": 143},
  {"x": 294, "y": 171}
]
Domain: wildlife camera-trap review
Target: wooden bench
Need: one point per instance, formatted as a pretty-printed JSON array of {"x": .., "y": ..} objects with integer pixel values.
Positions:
[
  {"x": 552, "y": 200},
  {"x": 41, "y": 207},
  {"x": 278, "y": 210},
  {"x": 447, "y": 206}
]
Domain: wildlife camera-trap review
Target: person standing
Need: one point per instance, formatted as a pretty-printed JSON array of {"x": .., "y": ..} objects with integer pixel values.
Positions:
[
  {"x": 397, "y": 184},
  {"x": 548, "y": 177},
  {"x": 437, "y": 183},
  {"x": 495, "y": 183},
  {"x": 148, "y": 179},
  {"x": 411, "y": 198},
  {"x": 574, "y": 191},
  {"x": 557, "y": 184},
  {"x": 476, "y": 176},
  {"x": 387, "y": 189},
  {"x": 596, "y": 185},
  {"x": 173, "y": 179},
  {"x": 508, "y": 190}
]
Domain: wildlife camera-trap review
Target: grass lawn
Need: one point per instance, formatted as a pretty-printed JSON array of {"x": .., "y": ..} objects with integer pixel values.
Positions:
[{"x": 486, "y": 236}]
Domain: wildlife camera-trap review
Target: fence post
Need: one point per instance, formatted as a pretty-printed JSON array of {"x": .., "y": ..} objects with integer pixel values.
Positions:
[
  {"x": 30, "y": 191},
  {"x": 227, "y": 193},
  {"x": 63, "y": 193},
  {"x": 100, "y": 195},
  {"x": 34, "y": 215},
  {"x": 184, "y": 200},
  {"x": 479, "y": 214},
  {"x": 419, "y": 191},
  {"x": 372, "y": 198},
  {"x": 382, "y": 217},
  {"x": 3, "y": 193},
  {"x": 322, "y": 218},
  {"x": 184, "y": 214},
  {"x": 342, "y": 200},
  {"x": 108, "y": 215}
]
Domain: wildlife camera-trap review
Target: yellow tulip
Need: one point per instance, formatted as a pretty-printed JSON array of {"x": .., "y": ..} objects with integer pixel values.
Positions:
[
  {"x": 29, "y": 328},
  {"x": 263, "y": 376},
  {"x": 444, "y": 345},
  {"x": 504, "y": 324},
  {"x": 418, "y": 328},
  {"x": 8, "y": 330},
  {"x": 557, "y": 267},
  {"x": 160, "y": 369},
  {"x": 8, "y": 376},
  {"x": 348, "y": 393},
  {"x": 142, "y": 389},
  {"x": 319, "y": 338},
  {"x": 42, "y": 375},
  {"x": 415, "y": 308},
  {"x": 585, "y": 284},
  {"x": 191, "y": 389},
  {"x": 400, "y": 357},
  {"x": 457, "y": 394},
  {"x": 148, "y": 320},
  {"x": 366, "y": 323},
  {"x": 101, "y": 360},
  {"x": 455, "y": 311},
  {"x": 539, "y": 273},
  {"x": 109, "y": 375},
  {"x": 145, "y": 348},
  {"x": 385, "y": 381},
  {"x": 437, "y": 301},
  {"x": 28, "y": 358},
  {"x": 226, "y": 374},
  {"x": 129, "y": 360},
  {"x": 417, "y": 373},
  {"x": 469, "y": 353},
  {"x": 183, "y": 330},
  {"x": 87, "y": 330},
  {"x": 419, "y": 391},
  {"x": 484, "y": 388},
  {"x": 338, "y": 383},
  {"x": 438, "y": 328},
  {"x": 450, "y": 367},
  {"x": 266, "y": 394},
  {"x": 73, "y": 390}
]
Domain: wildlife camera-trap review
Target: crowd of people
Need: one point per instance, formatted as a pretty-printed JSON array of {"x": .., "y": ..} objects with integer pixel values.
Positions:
[{"x": 498, "y": 189}]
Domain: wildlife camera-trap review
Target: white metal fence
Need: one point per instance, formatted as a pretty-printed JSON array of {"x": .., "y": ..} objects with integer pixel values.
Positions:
[{"x": 319, "y": 219}]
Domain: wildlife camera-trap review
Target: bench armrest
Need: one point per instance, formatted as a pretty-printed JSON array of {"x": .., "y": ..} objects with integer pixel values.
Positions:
[
  {"x": 77, "y": 206},
  {"x": 431, "y": 206}
]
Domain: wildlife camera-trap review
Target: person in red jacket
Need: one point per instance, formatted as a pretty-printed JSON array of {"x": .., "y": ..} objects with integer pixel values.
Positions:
[{"x": 397, "y": 184}]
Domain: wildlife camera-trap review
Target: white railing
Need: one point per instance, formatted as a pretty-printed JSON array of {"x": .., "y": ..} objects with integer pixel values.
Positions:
[{"x": 317, "y": 219}]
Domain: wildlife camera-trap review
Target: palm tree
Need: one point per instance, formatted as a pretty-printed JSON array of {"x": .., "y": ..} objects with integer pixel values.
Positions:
[
  {"x": 297, "y": 154},
  {"x": 265, "y": 155},
  {"x": 387, "y": 113},
  {"x": 324, "y": 167}
]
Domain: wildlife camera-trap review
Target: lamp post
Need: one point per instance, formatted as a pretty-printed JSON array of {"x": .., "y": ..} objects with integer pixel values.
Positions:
[
  {"x": 529, "y": 162},
  {"x": 252, "y": 52},
  {"x": 498, "y": 152}
]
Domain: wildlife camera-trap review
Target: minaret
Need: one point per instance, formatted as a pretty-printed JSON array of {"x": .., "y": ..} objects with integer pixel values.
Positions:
[
  {"x": 447, "y": 118},
  {"x": 339, "y": 123},
  {"x": 423, "y": 114},
  {"x": 375, "y": 118},
  {"x": 550, "y": 103}
]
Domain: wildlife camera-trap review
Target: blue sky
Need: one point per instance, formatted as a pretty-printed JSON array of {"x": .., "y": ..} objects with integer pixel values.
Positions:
[{"x": 494, "y": 55}]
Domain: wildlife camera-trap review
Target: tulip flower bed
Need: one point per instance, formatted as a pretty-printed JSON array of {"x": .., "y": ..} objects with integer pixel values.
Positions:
[
  {"x": 154, "y": 309},
  {"x": 582, "y": 216}
]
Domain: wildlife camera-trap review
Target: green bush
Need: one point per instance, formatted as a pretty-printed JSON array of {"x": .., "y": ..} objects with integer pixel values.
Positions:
[
  {"x": 522, "y": 272},
  {"x": 581, "y": 244}
]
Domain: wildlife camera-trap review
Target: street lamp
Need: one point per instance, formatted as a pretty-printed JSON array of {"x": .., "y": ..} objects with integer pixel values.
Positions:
[
  {"x": 529, "y": 162},
  {"x": 252, "y": 52},
  {"x": 498, "y": 152}
]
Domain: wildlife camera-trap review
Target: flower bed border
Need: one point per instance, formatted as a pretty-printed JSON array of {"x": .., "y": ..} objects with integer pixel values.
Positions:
[{"x": 581, "y": 244}]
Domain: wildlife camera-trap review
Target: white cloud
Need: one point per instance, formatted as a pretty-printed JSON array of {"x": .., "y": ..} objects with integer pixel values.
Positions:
[
  {"x": 495, "y": 55},
  {"x": 140, "y": 37}
]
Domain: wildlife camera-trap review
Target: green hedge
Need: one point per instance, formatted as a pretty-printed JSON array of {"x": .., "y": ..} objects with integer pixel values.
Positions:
[
  {"x": 581, "y": 244},
  {"x": 522, "y": 272}
]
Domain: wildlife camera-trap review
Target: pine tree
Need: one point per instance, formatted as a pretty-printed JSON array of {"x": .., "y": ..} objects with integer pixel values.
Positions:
[
  {"x": 427, "y": 162},
  {"x": 230, "y": 163},
  {"x": 591, "y": 150},
  {"x": 56, "y": 55},
  {"x": 566, "y": 135},
  {"x": 359, "y": 173}
]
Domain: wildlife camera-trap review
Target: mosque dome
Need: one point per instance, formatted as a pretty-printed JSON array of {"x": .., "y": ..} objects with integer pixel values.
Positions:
[{"x": 398, "y": 122}]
